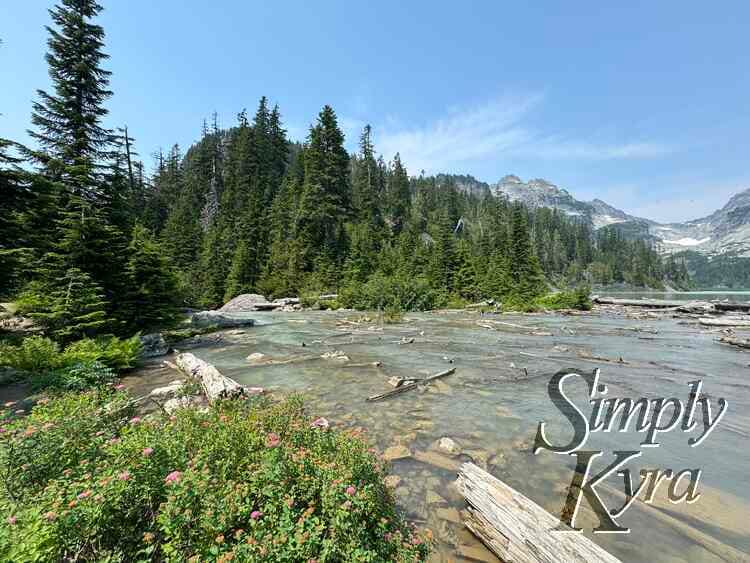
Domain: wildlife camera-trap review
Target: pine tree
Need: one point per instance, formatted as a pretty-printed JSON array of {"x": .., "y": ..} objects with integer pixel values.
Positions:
[
  {"x": 526, "y": 276},
  {"x": 325, "y": 203},
  {"x": 73, "y": 143},
  {"x": 152, "y": 297},
  {"x": 399, "y": 197},
  {"x": 74, "y": 308}
]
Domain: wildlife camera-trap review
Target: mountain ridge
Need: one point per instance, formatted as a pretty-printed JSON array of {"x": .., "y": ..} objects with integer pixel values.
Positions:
[{"x": 726, "y": 230}]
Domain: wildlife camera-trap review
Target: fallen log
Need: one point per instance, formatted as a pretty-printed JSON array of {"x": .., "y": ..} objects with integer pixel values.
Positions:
[
  {"x": 517, "y": 529},
  {"x": 214, "y": 384},
  {"x": 724, "y": 322},
  {"x": 739, "y": 342},
  {"x": 648, "y": 303},
  {"x": 408, "y": 386}
]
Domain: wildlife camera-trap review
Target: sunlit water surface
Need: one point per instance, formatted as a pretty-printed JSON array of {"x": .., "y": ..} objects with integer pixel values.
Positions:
[{"x": 492, "y": 404}]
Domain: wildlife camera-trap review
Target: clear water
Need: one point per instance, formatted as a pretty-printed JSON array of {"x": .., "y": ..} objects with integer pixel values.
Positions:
[{"x": 492, "y": 404}]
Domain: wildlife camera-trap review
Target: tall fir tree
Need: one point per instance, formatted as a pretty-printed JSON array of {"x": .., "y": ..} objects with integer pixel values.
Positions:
[{"x": 74, "y": 145}]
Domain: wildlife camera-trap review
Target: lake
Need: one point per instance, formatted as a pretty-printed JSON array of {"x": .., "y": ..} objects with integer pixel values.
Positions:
[{"x": 492, "y": 404}]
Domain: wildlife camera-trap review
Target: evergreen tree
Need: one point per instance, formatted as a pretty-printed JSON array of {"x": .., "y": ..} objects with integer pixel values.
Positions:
[
  {"x": 73, "y": 143},
  {"x": 74, "y": 308},
  {"x": 325, "y": 202},
  {"x": 152, "y": 297},
  {"x": 526, "y": 276}
]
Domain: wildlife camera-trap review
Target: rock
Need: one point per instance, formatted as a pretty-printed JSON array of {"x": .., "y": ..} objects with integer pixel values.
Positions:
[
  {"x": 287, "y": 301},
  {"x": 168, "y": 391},
  {"x": 182, "y": 403},
  {"x": 449, "y": 514},
  {"x": 153, "y": 345},
  {"x": 447, "y": 445},
  {"x": 244, "y": 302},
  {"x": 405, "y": 439},
  {"x": 220, "y": 319},
  {"x": 256, "y": 357},
  {"x": 434, "y": 498},
  {"x": 337, "y": 355},
  {"x": 479, "y": 457},
  {"x": 392, "y": 481},
  {"x": 441, "y": 387},
  {"x": 437, "y": 460},
  {"x": 396, "y": 452}
]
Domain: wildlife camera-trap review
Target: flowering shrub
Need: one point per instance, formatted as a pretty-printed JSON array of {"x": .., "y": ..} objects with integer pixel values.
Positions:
[{"x": 84, "y": 478}]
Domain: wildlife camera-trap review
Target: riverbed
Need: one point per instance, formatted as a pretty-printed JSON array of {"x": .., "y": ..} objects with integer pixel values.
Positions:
[{"x": 491, "y": 406}]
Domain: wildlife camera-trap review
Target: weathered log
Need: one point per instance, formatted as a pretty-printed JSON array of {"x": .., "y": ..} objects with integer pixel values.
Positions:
[
  {"x": 408, "y": 386},
  {"x": 517, "y": 529},
  {"x": 732, "y": 307},
  {"x": 648, "y": 303},
  {"x": 739, "y": 342},
  {"x": 214, "y": 384},
  {"x": 724, "y": 322}
]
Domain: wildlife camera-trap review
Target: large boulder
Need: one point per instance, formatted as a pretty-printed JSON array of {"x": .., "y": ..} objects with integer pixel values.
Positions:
[
  {"x": 245, "y": 302},
  {"x": 153, "y": 345},
  {"x": 220, "y": 319}
]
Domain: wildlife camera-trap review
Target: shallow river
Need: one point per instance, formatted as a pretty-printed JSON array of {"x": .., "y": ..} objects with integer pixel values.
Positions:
[{"x": 493, "y": 402}]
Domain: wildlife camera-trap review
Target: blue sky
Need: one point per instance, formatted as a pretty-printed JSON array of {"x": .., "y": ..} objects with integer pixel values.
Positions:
[{"x": 643, "y": 104}]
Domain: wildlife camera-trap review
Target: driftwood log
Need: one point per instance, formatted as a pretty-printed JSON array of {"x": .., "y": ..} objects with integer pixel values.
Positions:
[
  {"x": 724, "y": 322},
  {"x": 214, "y": 384},
  {"x": 739, "y": 342},
  {"x": 408, "y": 386},
  {"x": 517, "y": 529}
]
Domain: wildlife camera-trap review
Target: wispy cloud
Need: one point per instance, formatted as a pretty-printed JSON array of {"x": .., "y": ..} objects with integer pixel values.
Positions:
[{"x": 496, "y": 129}]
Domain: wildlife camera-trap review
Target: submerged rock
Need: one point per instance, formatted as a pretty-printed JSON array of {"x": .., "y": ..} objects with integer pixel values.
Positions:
[
  {"x": 153, "y": 345},
  {"x": 396, "y": 452},
  {"x": 256, "y": 357},
  {"x": 447, "y": 445},
  {"x": 438, "y": 460}
]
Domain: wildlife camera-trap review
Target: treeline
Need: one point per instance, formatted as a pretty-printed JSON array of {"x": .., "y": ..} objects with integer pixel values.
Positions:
[
  {"x": 724, "y": 270},
  {"x": 91, "y": 243}
]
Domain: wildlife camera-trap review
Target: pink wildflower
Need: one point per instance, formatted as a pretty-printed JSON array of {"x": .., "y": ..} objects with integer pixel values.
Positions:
[
  {"x": 350, "y": 490},
  {"x": 387, "y": 536},
  {"x": 173, "y": 477},
  {"x": 135, "y": 420},
  {"x": 272, "y": 440},
  {"x": 84, "y": 495},
  {"x": 255, "y": 514},
  {"x": 99, "y": 433},
  {"x": 2, "y": 430},
  {"x": 50, "y": 516},
  {"x": 119, "y": 386},
  {"x": 124, "y": 476},
  {"x": 321, "y": 423},
  {"x": 114, "y": 441},
  {"x": 12, "y": 520},
  {"x": 147, "y": 451}
]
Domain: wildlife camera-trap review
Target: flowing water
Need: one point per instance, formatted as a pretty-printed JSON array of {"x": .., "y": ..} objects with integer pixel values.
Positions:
[{"x": 493, "y": 402}]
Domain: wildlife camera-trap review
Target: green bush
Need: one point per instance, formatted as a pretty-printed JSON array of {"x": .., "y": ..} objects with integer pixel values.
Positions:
[
  {"x": 382, "y": 292},
  {"x": 76, "y": 377},
  {"x": 84, "y": 479},
  {"x": 34, "y": 354},
  {"x": 80, "y": 365},
  {"x": 578, "y": 298}
]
